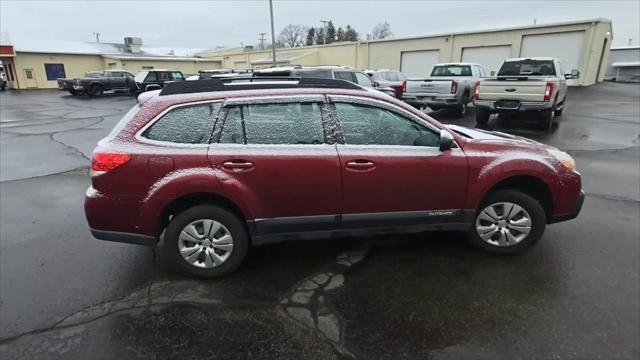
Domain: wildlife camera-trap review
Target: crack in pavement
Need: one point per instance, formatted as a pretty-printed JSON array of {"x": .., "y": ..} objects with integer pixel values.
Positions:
[
  {"x": 305, "y": 304},
  {"x": 84, "y": 170},
  {"x": 613, "y": 197}
]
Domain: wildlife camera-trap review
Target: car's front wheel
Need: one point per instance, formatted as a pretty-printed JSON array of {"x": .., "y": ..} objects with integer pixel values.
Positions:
[
  {"x": 482, "y": 117},
  {"x": 206, "y": 241},
  {"x": 507, "y": 221}
]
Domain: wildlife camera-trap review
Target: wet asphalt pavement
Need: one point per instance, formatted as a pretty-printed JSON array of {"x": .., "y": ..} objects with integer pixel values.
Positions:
[{"x": 63, "y": 294}]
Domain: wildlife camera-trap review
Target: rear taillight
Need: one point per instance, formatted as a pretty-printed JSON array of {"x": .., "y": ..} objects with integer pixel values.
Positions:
[
  {"x": 454, "y": 87},
  {"x": 107, "y": 161},
  {"x": 404, "y": 87},
  {"x": 548, "y": 91},
  {"x": 476, "y": 90}
]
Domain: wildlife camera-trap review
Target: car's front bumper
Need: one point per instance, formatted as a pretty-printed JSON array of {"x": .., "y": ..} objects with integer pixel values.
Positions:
[
  {"x": 575, "y": 211},
  {"x": 496, "y": 106}
]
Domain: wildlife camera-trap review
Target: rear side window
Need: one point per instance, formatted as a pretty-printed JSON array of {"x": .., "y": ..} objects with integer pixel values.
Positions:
[
  {"x": 344, "y": 75},
  {"x": 163, "y": 76},
  {"x": 287, "y": 123},
  {"x": 185, "y": 125}
]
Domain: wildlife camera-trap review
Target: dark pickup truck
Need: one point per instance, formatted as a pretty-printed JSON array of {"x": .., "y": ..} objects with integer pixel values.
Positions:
[{"x": 95, "y": 83}]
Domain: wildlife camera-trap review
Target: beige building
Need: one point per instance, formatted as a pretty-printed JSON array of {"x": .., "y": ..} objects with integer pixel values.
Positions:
[
  {"x": 582, "y": 45},
  {"x": 38, "y": 64}
]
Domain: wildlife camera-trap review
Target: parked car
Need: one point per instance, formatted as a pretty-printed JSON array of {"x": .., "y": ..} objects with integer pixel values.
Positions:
[
  {"x": 95, "y": 83},
  {"x": 535, "y": 85},
  {"x": 156, "y": 79},
  {"x": 3, "y": 81},
  {"x": 217, "y": 167},
  {"x": 327, "y": 72},
  {"x": 389, "y": 78},
  {"x": 450, "y": 86}
]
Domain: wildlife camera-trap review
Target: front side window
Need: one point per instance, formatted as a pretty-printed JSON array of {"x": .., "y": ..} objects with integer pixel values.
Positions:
[
  {"x": 115, "y": 74},
  {"x": 369, "y": 125},
  {"x": 185, "y": 125},
  {"x": 363, "y": 80},
  {"x": 54, "y": 71},
  {"x": 286, "y": 123},
  {"x": 176, "y": 76}
]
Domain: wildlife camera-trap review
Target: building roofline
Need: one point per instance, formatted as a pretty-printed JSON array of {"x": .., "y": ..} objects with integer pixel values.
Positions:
[{"x": 159, "y": 58}]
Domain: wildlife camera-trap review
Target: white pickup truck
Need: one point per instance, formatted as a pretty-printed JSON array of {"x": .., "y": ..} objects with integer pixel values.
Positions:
[
  {"x": 449, "y": 86},
  {"x": 533, "y": 85}
]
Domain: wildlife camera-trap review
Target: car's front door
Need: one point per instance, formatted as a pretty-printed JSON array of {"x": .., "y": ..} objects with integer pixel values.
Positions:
[
  {"x": 116, "y": 80},
  {"x": 393, "y": 172},
  {"x": 273, "y": 156}
]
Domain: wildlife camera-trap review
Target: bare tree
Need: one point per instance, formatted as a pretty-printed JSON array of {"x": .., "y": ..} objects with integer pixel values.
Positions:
[
  {"x": 293, "y": 35},
  {"x": 381, "y": 31}
]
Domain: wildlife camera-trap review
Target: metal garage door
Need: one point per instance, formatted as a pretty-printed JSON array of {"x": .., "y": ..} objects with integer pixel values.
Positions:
[
  {"x": 565, "y": 46},
  {"x": 418, "y": 63},
  {"x": 490, "y": 57}
]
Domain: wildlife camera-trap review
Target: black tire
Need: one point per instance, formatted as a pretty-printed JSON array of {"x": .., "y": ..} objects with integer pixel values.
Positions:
[
  {"x": 95, "y": 90},
  {"x": 546, "y": 120},
  {"x": 482, "y": 117},
  {"x": 530, "y": 205},
  {"x": 236, "y": 229},
  {"x": 75, "y": 92},
  {"x": 559, "y": 112},
  {"x": 435, "y": 108}
]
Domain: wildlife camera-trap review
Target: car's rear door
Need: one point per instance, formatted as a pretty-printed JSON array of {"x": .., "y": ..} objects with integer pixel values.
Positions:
[
  {"x": 389, "y": 177},
  {"x": 116, "y": 80},
  {"x": 273, "y": 157}
]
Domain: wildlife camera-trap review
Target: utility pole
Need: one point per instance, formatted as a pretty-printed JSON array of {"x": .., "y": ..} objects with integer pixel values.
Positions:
[
  {"x": 324, "y": 30},
  {"x": 273, "y": 33},
  {"x": 261, "y": 40},
  {"x": 97, "y": 35}
]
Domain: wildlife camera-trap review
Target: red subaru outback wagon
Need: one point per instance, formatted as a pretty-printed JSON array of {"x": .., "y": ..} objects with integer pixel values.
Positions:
[{"x": 215, "y": 166}]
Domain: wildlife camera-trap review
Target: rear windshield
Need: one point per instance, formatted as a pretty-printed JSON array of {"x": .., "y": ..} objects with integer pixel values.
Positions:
[
  {"x": 528, "y": 67},
  {"x": 451, "y": 70}
]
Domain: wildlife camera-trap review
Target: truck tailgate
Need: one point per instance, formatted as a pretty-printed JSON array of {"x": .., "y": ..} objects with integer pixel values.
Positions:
[
  {"x": 523, "y": 90},
  {"x": 428, "y": 87}
]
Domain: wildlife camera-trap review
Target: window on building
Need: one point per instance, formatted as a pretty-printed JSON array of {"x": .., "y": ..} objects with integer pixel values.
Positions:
[
  {"x": 368, "y": 125},
  {"x": 54, "y": 71},
  {"x": 147, "y": 67},
  {"x": 289, "y": 123},
  {"x": 185, "y": 125}
]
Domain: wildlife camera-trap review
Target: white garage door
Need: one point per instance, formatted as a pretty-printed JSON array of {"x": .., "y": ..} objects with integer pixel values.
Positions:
[
  {"x": 567, "y": 47},
  {"x": 490, "y": 57},
  {"x": 418, "y": 63}
]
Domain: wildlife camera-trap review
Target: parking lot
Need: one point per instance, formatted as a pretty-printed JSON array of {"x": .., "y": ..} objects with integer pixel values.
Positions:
[{"x": 64, "y": 294}]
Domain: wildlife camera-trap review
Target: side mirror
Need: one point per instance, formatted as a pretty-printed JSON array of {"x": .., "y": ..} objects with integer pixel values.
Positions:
[
  {"x": 575, "y": 74},
  {"x": 492, "y": 73},
  {"x": 446, "y": 140},
  {"x": 152, "y": 87},
  {"x": 376, "y": 84}
]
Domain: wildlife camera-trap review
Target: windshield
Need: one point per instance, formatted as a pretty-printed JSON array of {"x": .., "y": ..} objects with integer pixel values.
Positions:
[
  {"x": 451, "y": 70},
  {"x": 528, "y": 67}
]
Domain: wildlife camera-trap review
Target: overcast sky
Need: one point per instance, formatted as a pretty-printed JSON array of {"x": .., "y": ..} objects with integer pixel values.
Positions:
[{"x": 207, "y": 24}]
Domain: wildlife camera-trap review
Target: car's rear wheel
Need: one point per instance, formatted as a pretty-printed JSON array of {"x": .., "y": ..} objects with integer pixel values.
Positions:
[
  {"x": 74, "y": 92},
  {"x": 547, "y": 117},
  {"x": 206, "y": 241},
  {"x": 558, "y": 112},
  {"x": 507, "y": 221},
  {"x": 482, "y": 117},
  {"x": 461, "y": 110}
]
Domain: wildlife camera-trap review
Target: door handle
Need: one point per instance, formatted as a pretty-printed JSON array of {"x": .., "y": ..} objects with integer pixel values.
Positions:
[
  {"x": 237, "y": 165},
  {"x": 360, "y": 165}
]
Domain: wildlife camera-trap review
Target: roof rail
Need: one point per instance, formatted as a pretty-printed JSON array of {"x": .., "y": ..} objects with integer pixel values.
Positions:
[{"x": 254, "y": 83}]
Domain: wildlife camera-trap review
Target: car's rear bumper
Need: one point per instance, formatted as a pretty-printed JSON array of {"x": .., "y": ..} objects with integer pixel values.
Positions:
[
  {"x": 432, "y": 100},
  {"x": 496, "y": 106},
  {"x": 575, "y": 211}
]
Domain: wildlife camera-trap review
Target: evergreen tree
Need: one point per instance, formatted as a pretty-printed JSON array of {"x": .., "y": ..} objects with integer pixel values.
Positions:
[
  {"x": 331, "y": 32},
  {"x": 340, "y": 34},
  {"x": 350, "y": 34},
  {"x": 311, "y": 35},
  {"x": 319, "y": 36}
]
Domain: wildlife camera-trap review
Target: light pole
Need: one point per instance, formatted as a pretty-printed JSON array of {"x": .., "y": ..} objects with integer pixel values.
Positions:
[
  {"x": 262, "y": 40},
  {"x": 273, "y": 34},
  {"x": 324, "y": 30}
]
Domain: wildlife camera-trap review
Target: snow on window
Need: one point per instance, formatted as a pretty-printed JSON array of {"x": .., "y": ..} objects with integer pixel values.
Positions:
[
  {"x": 282, "y": 123},
  {"x": 368, "y": 125},
  {"x": 186, "y": 125}
]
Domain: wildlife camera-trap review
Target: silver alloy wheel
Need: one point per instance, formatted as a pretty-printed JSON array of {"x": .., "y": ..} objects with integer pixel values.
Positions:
[
  {"x": 205, "y": 243},
  {"x": 503, "y": 224}
]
